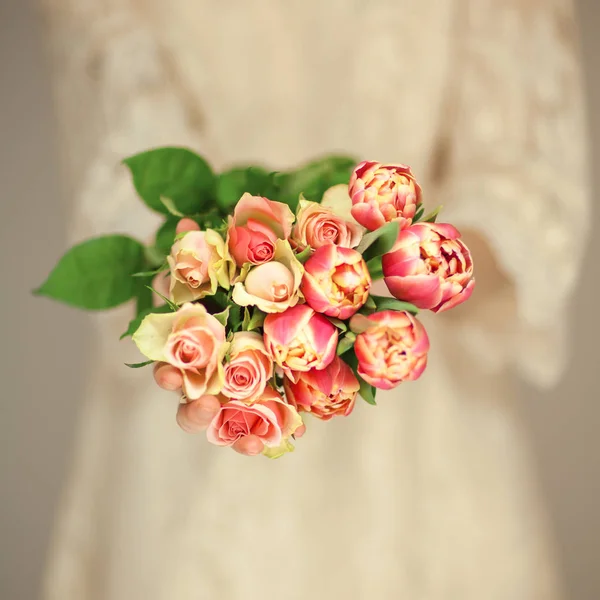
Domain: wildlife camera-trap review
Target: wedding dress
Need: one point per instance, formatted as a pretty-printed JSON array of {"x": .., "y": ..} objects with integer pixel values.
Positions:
[{"x": 431, "y": 494}]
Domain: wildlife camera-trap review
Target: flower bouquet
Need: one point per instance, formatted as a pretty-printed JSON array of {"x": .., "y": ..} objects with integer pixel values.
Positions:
[{"x": 255, "y": 298}]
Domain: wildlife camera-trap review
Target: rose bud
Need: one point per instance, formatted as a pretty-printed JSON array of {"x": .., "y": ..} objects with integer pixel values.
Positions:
[
  {"x": 248, "y": 369},
  {"x": 336, "y": 281},
  {"x": 255, "y": 227},
  {"x": 317, "y": 226},
  {"x": 190, "y": 339},
  {"x": 326, "y": 393},
  {"x": 199, "y": 263},
  {"x": 271, "y": 419},
  {"x": 383, "y": 193},
  {"x": 430, "y": 267},
  {"x": 272, "y": 286},
  {"x": 300, "y": 339},
  {"x": 392, "y": 350}
]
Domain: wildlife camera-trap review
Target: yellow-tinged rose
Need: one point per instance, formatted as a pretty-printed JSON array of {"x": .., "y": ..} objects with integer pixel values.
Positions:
[
  {"x": 199, "y": 263},
  {"x": 273, "y": 286},
  {"x": 191, "y": 340}
]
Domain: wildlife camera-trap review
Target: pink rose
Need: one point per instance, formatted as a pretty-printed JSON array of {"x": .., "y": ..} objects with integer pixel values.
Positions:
[
  {"x": 248, "y": 369},
  {"x": 256, "y": 225},
  {"x": 383, "y": 193},
  {"x": 299, "y": 339},
  {"x": 199, "y": 263},
  {"x": 391, "y": 349},
  {"x": 317, "y": 226},
  {"x": 430, "y": 267},
  {"x": 273, "y": 286},
  {"x": 326, "y": 393},
  {"x": 190, "y": 339},
  {"x": 271, "y": 419},
  {"x": 336, "y": 281}
]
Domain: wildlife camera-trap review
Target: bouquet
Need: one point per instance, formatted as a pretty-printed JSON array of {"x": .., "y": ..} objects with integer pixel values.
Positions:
[{"x": 256, "y": 297}]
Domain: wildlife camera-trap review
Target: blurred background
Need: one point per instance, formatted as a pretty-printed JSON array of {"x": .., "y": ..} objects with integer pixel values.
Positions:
[{"x": 45, "y": 345}]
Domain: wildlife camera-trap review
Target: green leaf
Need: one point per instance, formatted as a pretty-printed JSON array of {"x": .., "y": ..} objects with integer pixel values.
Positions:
[
  {"x": 433, "y": 215},
  {"x": 383, "y": 303},
  {"x": 367, "y": 391},
  {"x": 135, "y": 323},
  {"x": 304, "y": 255},
  {"x": 139, "y": 365},
  {"x": 345, "y": 344},
  {"x": 375, "y": 268},
  {"x": 380, "y": 241},
  {"x": 171, "y": 208},
  {"x": 235, "y": 317},
  {"x": 165, "y": 236},
  {"x": 418, "y": 213},
  {"x": 175, "y": 173},
  {"x": 314, "y": 179},
  {"x": 161, "y": 269},
  {"x": 232, "y": 184},
  {"x": 222, "y": 317},
  {"x": 96, "y": 274},
  {"x": 256, "y": 321},
  {"x": 370, "y": 303},
  {"x": 338, "y": 323}
]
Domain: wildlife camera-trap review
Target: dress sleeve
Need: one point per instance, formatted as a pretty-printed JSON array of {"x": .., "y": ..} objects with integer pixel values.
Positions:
[{"x": 515, "y": 174}]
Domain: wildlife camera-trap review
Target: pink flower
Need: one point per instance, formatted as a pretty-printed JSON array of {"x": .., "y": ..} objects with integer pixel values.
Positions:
[
  {"x": 336, "y": 281},
  {"x": 273, "y": 286},
  {"x": 248, "y": 369},
  {"x": 326, "y": 393},
  {"x": 199, "y": 263},
  {"x": 392, "y": 349},
  {"x": 317, "y": 226},
  {"x": 383, "y": 193},
  {"x": 300, "y": 340},
  {"x": 191, "y": 340},
  {"x": 271, "y": 419},
  {"x": 430, "y": 267},
  {"x": 256, "y": 225}
]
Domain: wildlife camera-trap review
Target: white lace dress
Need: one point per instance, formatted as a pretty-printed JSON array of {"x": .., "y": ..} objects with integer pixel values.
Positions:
[{"x": 430, "y": 495}]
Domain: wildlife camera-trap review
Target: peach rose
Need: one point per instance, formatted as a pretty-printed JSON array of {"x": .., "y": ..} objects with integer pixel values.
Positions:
[
  {"x": 199, "y": 263},
  {"x": 190, "y": 339},
  {"x": 248, "y": 369},
  {"x": 383, "y": 193},
  {"x": 430, "y": 267},
  {"x": 256, "y": 225},
  {"x": 391, "y": 349},
  {"x": 336, "y": 281},
  {"x": 270, "y": 418},
  {"x": 299, "y": 339},
  {"x": 317, "y": 226},
  {"x": 326, "y": 393},
  {"x": 272, "y": 286}
]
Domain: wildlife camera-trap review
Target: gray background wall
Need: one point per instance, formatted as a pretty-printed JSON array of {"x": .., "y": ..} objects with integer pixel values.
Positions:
[{"x": 44, "y": 344}]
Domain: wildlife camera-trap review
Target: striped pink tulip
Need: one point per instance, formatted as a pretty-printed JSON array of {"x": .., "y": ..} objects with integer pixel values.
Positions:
[
  {"x": 430, "y": 267},
  {"x": 299, "y": 339},
  {"x": 383, "y": 193},
  {"x": 326, "y": 393},
  {"x": 336, "y": 281},
  {"x": 392, "y": 350}
]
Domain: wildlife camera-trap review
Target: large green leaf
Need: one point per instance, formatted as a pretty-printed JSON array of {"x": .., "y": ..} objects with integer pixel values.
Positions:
[
  {"x": 165, "y": 236},
  {"x": 378, "y": 242},
  {"x": 177, "y": 174},
  {"x": 232, "y": 184},
  {"x": 314, "y": 179},
  {"x": 384, "y": 303},
  {"x": 97, "y": 274}
]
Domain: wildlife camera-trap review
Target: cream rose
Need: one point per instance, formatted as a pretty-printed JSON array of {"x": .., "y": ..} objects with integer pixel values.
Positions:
[
  {"x": 273, "y": 286},
  {"x": 199, "y": 263},
  {"x": 248, "y": 369},
  {"x": 190, "y": 339}
]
